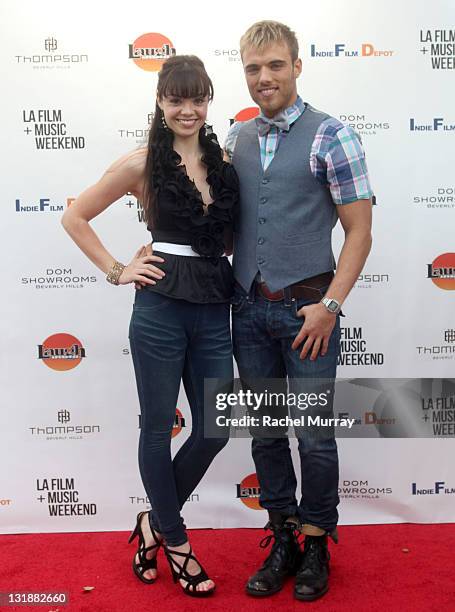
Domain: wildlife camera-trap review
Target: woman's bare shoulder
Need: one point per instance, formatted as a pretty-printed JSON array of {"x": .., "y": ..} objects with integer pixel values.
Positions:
[{"x": 134, "y": 161}]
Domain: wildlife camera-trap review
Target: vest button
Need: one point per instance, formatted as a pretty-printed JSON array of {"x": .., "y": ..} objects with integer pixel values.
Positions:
[
  {"x": 260, "y": 260},
  {"x": 261, "y": 220},
  {"x": 265, "y": 181},
  {"x": 263, "y": 200},
  {"x": 261, "y": 240}
]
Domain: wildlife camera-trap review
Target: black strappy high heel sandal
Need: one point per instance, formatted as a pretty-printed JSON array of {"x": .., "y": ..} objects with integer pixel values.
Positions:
[
  {"x": 179, "y": 572},
  {"x": 144, "y": 564}
]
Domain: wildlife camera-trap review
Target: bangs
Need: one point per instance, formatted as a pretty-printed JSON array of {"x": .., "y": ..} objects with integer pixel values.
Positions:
[{"x": 186, "y": 82}]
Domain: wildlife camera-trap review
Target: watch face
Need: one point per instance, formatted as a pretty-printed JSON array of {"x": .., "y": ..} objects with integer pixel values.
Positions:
[{"x": 333, "y": 306}]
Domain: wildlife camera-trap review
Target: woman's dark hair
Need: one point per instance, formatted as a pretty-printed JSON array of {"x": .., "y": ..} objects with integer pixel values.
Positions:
[{"x": 183, "y": 76}]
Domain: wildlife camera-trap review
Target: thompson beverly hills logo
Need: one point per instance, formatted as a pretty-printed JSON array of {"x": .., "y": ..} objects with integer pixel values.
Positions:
[
  {"x": 442, "y": 271},
  {"x": 245, "y": 114},
  {"x": 440, "y": 197},
  {"x": 52, "y": 55},
  {"x": 61, "y": 352},
  {"x": 149, "y": 51},
  {"x": 435, "y": 124},
  {"x": 445, "y": 350},
  {"x": 439, "y": 47},
  {"x": 139, "y": 135},
  {"x": 345, "y": 50},
  {"x": 49, "y": 130},
  {"x": 62, "y": 498},
  {"x": 363, "y": 125},
  {"x": 58, "y": 278},
  {"x": 138, "y": 500},
  {"x": 65, "y": 429},
  {"x": 354, "y": 349},
  {"x": 248, "y": 491},
  {"x": 368, "y": 281}
]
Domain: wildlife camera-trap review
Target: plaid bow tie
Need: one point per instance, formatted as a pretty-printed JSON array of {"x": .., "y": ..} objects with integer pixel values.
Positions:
[{"x": 264, "y": 124}]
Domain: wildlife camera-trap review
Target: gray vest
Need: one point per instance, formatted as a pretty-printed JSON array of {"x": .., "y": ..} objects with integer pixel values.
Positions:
[{"x": 285, "y": 219}]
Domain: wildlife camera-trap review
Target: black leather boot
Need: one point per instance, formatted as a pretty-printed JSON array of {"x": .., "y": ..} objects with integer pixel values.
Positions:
[
  {"x": 312, "y": 579},
  {"x": 283, "y": 559}
]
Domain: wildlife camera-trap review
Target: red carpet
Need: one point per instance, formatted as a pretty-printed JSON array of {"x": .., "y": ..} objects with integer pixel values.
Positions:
[{"x": 370, "y": 571}]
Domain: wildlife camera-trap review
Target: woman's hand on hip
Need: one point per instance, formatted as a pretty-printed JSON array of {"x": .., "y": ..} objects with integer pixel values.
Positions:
[{"x": 140, "y": 270}]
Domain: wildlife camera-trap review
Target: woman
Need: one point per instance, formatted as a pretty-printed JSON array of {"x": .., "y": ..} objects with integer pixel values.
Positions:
[{"x": 180, "y": 324}]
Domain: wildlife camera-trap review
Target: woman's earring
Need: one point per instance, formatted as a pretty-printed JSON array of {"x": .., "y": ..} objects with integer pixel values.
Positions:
[{"x": 163, "y": 121}]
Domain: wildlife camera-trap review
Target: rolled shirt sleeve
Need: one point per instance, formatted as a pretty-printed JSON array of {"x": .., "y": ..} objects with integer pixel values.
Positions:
[{"x": 338, "y": 161}]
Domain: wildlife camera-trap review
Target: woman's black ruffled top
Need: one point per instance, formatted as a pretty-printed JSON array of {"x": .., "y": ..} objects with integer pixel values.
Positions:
[{"x": 180, "y": 218}]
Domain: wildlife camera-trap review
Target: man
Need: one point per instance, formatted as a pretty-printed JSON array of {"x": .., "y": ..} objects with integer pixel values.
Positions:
[{"x": 299, "y": 170}]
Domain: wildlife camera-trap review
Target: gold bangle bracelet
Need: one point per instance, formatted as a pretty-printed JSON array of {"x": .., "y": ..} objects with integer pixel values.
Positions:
[{"x": 115, "y": 272}]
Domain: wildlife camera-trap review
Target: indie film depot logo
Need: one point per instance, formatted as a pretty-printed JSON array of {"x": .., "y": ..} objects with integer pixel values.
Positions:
[
  {"x": 61, "y": 352},
  {"x": 151, "y": 50},
  {"x": 442, "y": 271},
  {"x": 248, "y": 491}
]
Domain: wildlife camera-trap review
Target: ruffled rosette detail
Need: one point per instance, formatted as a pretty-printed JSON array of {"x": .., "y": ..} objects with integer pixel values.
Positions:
[{"x": 183, "y": 201}]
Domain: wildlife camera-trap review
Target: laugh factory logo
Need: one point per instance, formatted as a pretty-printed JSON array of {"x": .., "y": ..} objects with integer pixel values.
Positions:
[
  {"x": 52, "y": 56},
  {"x": 341, "y": 49},
  {"x": 439, "y": 47},
  {"x": 61, "y": 352},
  {"x": 442, "y": 271},
  {"x": 179, "y": 423},
  {"x": 245, "y": 114},
  {"x": 248, "y": 491},
  {"x": 150, "y": 51},
  {"x": 49, "y": 130}
]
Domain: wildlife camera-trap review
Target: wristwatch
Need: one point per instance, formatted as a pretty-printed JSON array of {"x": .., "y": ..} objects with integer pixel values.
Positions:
[{"x": 332, "y": 305}]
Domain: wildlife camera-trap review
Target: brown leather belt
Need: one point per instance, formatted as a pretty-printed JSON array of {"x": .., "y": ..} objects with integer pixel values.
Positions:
[{"x": 308, "y": 289}]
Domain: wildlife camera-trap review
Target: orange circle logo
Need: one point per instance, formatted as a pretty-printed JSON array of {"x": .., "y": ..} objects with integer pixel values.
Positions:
[
  {"x": 248, "y": 491},
  {"x": 442, "y": 271},
  {"x": 247, "y": 113},
  {"x": 150, "y": 51},
  {"x": 61, "y": 352},
  {"x": 178, "y": 423}
]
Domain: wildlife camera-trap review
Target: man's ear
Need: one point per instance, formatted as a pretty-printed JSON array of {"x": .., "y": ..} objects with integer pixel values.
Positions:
[{"x": 298, "y": 67}]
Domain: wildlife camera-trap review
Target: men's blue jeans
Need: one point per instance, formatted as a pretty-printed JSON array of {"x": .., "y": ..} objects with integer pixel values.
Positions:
[
  {"x": 173, "y": 340},
  {"x": 263, "y": 332}
]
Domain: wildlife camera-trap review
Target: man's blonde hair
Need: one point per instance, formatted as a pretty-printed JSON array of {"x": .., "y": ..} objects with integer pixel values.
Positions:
[{"x": 264, "y": 33}]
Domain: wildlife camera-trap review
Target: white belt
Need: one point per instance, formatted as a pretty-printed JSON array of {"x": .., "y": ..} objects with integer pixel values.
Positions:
[{"x": 175, "y": 249}]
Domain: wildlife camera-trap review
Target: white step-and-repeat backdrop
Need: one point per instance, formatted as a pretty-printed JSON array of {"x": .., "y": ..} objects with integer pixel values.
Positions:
[{"x": 78, "y": 89}]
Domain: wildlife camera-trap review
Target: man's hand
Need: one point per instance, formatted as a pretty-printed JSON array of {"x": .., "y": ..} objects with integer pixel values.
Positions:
[
  {"x": 140, "y": 269},
  {"x": 317, "y": 328}
]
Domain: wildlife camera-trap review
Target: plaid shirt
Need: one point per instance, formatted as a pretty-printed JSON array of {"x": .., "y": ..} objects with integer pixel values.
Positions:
[{"x": 337, "y": 158}]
